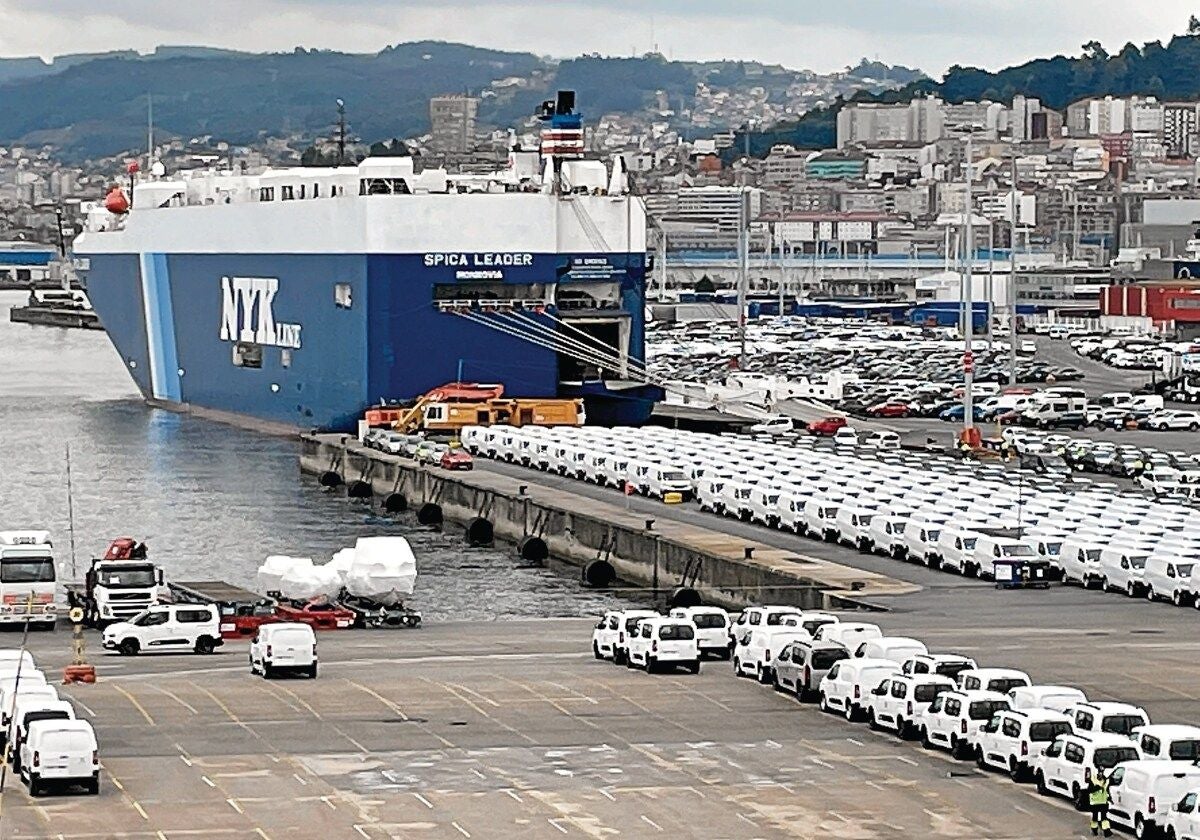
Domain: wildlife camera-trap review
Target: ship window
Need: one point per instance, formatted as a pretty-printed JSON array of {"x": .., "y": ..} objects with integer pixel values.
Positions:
[
  {"x": 316, "y": 190},
  {"x": 302, "y": 191},
  {"x": 247, "y": 355},
  {"x": 342, "y": 295},
  {"x": 287, "y": 192},
  {"x": 266, "y": 194},
  {"x": 285, "y": 357}
]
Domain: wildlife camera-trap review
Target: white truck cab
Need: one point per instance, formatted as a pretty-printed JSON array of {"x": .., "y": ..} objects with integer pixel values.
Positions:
[
  {"x": 664, "y": 642},
  {"x": 190, "y": 628},
  {"x": 282, "y": 647},
  {"x": 60, "y": 753},
  {"x": 27, "y": 578}
]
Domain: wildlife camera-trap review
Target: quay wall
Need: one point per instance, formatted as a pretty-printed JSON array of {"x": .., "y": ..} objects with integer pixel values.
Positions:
[{"x": 580, "y": 530}]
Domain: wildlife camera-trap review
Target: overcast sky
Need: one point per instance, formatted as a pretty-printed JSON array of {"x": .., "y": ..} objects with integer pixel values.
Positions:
[{"x": 818, "y": 34}]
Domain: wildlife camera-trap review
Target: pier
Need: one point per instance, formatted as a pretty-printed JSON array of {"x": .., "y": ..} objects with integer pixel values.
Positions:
[{"x": 605, "y": 539}]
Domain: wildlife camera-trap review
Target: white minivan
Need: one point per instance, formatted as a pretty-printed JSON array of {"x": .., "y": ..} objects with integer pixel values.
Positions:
[
  {"x": 712, "y": 628},
  {"x": 664, "y": 642},
  {"x": 1057, "y": 698},
  {"x": 29, "y": 709},
  {"x": 60, "y": 752},
  {"x": 1121, "y": 569},
  {"x": 1169, "y": 741},
  {"x": 849, "y": 684},
  {"x": 1141, "y": 793},
  {"x": 1066, "y": 766},
  {"x": 191, "y": 628},
  {"x": 282, "y": 647},
  {"x": 849, "y": 634},
  {"x": 1168, "y": 578},
  {"x": 899, "y": 649},
  {"x": 900, "y": 701}
]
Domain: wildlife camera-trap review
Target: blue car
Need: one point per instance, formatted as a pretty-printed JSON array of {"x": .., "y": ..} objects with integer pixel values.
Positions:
[{"x": 956, "y": 412}]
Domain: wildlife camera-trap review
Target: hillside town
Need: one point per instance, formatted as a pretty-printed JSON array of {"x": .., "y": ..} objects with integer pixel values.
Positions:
[{"x": 1067, "y": 197}]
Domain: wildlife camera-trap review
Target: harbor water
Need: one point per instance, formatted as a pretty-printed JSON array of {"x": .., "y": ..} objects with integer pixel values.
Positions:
[{"x": 210, "y": 500}]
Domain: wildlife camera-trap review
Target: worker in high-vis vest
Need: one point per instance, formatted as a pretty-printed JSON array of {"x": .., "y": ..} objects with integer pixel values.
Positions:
[{"x": 1098, "y": 803}]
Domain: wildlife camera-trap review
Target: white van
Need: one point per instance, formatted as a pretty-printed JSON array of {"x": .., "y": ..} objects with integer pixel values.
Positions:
[
  {"x": 754, "y": 653},
  {"x": 764, "y": 506},
  {"x": 1168, "y": 578},
  {"x": 887, "y": 535},
  {"x": 900, "y": 701},
  {"x": 190, "y": 628},
  {"x": 849, "y": 634},
  {"x": 989, "y": 549},
  {"x": 1114, "y": 718},
  {"x": 954, "y": 718},
  {"x": 1057, "y": 698},
  {"x": 28, "y": 710},
  {"x": 947, "y": 664},
  {"x": 286, "y": 646},
  {"x": 60, "y": 752},
  {"x": 32, "y": 685},
  {"x": 820, "y": 517},
  {"x": 1141, "y": 793},
  {"x": 853, "y": 525},
  {"x": 850, "y": 682},
  {"x": 1080, "y": 561},
  {"x": 920, "y": 540},
  {"x": 669, "y": 642},
  {"x": 898, "y": 649},
  {"x": 1121, "y": 568},
  {"x": 1012, "y": 740},
  {"x": 954, "y": 549},
  {"x": 1169, "y": 741},
  {"x": 712, "y": 628},
  {"x": 1066, "y": 766}
]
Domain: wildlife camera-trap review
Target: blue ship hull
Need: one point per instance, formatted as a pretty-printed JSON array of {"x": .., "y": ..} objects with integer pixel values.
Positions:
[{"x": 311, "y": 340}]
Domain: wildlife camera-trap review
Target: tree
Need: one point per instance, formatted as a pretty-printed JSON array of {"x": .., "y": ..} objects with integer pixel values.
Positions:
[
  {"x": 1193, "y": 29},
  {"x": 1095, "y": 51}
]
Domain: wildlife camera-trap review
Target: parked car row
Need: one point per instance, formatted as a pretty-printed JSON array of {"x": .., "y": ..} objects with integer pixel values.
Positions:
[
  {"x": 1049, "y": 735},
  {"x": 45, "y": 744},
  {"x": 935, "y": 510},
  {"x": 419, "y": 448}
]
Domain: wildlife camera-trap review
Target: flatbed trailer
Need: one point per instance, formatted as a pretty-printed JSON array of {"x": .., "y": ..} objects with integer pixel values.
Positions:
[{"x": 242, "y": 611}]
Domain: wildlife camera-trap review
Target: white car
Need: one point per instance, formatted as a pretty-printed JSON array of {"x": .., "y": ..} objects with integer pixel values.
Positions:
[
  {"x": 188, "y": 628},
  {"x": 849, "y": 684},
  {"x": 712, "y": 629},
  {"x": 802, "y": 665},
  {"x": 952, "y": 721},
  {"x": 1066, "y": 766},
  {"x": 60, "y": 753},
  {"x": 899, "y": 701},
  {"x": 282, "y": 647},
  {"x": 1141, "y": 793},
  {"x": 1056, "y": 697},
  {"x": 1172, "y": 420},
  {"x": 1114, "y": 718},
  {"x": 664, "y": 642},
  {"x": 1121, "y": 569},
  {"x": 1012, "y": 740},
  {"x": 846, "y": 436},
  {"x": 769, "y": 616},
  {"x": 1169, "y": 741}
]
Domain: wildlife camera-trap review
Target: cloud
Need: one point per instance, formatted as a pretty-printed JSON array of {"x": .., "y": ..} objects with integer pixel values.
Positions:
[{"x": 817, "y": 34}]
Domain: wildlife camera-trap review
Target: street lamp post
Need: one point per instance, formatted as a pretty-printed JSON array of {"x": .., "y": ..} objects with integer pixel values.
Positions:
[{"x": 969, "y": 433}]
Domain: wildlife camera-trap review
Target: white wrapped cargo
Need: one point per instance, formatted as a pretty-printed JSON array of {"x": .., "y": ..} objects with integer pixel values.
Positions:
[
  {"x": 271, "y": 572},
  {"x": 342, "y": 560},
  {"x": 303, "y": 582},
  {"x": 384, "y": 569}
]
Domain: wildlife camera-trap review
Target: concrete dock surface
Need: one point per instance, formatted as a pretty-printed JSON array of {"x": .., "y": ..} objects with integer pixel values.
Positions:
[{"x": 511, "y": 729}]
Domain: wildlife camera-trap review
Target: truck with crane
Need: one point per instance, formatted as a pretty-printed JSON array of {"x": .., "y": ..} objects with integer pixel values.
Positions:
[{"x": 118, "y": 585}]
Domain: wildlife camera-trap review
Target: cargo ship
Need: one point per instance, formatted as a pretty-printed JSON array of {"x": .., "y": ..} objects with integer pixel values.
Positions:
[{"x": 299, "y": 297}]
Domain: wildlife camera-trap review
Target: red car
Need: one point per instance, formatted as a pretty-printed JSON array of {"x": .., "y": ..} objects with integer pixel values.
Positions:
[
  {"x": 826, "y": 426},
  {"x": 457, "y": 459},
  {"x": 891, "y": 408},
  {"x": 319, "y": 613}
]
